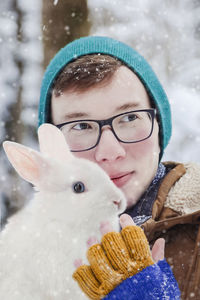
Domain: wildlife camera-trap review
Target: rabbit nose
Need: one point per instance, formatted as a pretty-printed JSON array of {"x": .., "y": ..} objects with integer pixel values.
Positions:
[{"x": 118, "y": 203}]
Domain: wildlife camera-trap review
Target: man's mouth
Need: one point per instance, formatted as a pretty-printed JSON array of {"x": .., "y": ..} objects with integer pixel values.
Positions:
[{"x": 121, "y": 179}]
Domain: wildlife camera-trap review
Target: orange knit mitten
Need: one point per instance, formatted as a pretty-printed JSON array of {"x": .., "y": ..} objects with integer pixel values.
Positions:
[{"x": 119, "y": 256}]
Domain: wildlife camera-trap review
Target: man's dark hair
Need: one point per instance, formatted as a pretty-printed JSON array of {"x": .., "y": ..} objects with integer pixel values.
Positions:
[{"x": 85, "y": 72}]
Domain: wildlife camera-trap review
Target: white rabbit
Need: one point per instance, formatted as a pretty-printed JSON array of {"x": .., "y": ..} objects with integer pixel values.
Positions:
[{"x": 40, "y": 243}]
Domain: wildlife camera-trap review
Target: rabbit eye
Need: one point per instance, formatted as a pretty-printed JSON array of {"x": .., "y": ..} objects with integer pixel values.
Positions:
[{"x": 78, "y": 187}]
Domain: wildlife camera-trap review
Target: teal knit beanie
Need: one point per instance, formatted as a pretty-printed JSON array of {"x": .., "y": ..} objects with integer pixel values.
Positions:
[{"x": 105, "y": 45}]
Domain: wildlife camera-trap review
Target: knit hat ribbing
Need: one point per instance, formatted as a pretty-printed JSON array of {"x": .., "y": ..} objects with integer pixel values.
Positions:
[{"x": 105, "y": 45}]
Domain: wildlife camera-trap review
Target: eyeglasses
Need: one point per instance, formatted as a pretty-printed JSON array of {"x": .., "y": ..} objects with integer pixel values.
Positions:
[{"x": 129, "y": 127}]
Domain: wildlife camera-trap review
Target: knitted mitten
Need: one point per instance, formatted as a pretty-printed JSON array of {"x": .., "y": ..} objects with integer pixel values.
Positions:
[{"x": 119, "y": 256}]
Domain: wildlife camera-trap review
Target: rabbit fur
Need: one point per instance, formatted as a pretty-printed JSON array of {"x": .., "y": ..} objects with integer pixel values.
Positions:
[{"x": 40, "y": 243}]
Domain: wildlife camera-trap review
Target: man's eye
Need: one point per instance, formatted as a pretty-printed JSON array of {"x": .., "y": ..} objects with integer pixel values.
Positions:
[
  {"x": 81, "y": 126},
  {"x": 129, "y": 118}
]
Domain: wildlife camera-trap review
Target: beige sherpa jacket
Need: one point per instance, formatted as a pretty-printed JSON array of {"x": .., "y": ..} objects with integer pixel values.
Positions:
[{"x": 176, "y": 218}]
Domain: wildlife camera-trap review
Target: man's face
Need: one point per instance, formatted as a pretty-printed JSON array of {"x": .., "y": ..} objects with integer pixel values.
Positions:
[{"x": 133, "y": 166}]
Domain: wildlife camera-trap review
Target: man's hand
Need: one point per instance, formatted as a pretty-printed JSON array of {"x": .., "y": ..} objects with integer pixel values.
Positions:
[{"x": 126, "y": 220}]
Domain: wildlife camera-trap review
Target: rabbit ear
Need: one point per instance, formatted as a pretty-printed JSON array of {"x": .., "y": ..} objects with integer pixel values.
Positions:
[
  {"x": 28, "y": 163},
  {"x": 52, "y": 142}
]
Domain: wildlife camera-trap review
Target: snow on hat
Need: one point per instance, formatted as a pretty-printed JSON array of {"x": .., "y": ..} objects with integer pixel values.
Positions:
[{"x": 109, "y": 46}]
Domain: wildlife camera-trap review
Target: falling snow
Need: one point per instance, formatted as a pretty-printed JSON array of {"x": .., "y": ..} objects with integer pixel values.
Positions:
[
  {"x": 55, "y": 2},
  {"x": 155, "y": 29}
]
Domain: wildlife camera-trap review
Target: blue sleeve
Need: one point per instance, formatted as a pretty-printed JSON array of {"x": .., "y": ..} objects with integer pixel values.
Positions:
[{"x": 154, "y": 282}]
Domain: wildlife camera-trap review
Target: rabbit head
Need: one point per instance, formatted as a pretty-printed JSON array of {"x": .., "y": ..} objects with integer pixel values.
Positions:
[{"x": 70, "y": 186}]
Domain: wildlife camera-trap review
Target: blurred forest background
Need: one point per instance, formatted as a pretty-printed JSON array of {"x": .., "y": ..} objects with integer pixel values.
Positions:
[{"x": 166, "y": 33}]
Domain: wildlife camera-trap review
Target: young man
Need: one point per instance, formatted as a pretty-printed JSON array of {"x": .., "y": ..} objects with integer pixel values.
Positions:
[{"x": 112, "y": 110}]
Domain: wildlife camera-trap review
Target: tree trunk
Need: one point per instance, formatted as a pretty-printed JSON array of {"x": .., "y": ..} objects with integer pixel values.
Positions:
[{"x": 63, "y": 21}]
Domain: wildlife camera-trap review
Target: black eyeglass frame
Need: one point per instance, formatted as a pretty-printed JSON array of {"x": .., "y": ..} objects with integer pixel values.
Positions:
[{"x": 109, "y": 121}]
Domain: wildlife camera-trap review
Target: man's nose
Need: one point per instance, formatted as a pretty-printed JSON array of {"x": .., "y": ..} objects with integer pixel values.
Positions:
[{"x": 109, "y": 148}]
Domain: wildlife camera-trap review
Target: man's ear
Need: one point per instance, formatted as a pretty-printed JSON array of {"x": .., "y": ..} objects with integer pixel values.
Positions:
[
  {"x": 52, "y": 142},
  {"x": 28, "y": 163}
]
